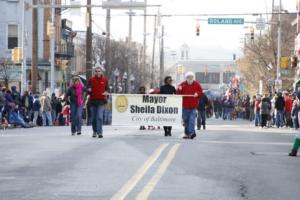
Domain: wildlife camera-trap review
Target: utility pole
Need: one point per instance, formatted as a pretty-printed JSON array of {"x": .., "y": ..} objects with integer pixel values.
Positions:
[
  {"x": 52, "y": 47},
  {"x": 279, "y": 44},
  {"x": 153, "y": 51},
  {"x": 34, "y": 59},
  {"x": 89, "y": 41},
  {"x": 107, "y": 42},
  {"x": 24, "y": 67},
  {"x": 162, "y": 56},
  {"x": 130, "y": 50},
  {"x": 145, "y": 43}
]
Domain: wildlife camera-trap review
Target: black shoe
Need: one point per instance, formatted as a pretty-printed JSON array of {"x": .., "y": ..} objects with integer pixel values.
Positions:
[
  {"x": 100, "y": 136},
  {"x": 73, "y": 134},
  {"x": 94, "y": 135},
  {"x": 78, "y": 133},
  {"x": 169, "y": 134},
  {"x": 193, "y": 135},
  {"x": 166, "y": 134},
  {"x": 293, "y": 153}
]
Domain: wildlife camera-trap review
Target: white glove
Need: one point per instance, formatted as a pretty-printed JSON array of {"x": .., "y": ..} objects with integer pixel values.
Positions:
[{"x": 196, "y": 95}]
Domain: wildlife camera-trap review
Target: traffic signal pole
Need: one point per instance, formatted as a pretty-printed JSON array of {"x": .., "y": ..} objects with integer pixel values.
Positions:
[
  {"x": 279, "y": 44},
  {"x": 24, "y": 67},
  {"x": 52, "y": 46},
  {"x": 34, "y": 68}
]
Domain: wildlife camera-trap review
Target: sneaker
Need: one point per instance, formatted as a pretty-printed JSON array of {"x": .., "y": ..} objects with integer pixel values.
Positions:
[
  {"x": 79, "y": 133},
  {"x": 94, "y": 135},
  {"x": 73, "y": 133},
  {"x": 100, "y": 136}
]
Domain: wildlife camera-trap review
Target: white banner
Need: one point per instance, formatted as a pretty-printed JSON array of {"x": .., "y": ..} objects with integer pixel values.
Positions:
[{"x": 155, "y": 110}]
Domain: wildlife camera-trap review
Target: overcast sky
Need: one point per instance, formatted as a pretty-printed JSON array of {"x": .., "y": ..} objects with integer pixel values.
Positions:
[{"x": 214, "y": 42}]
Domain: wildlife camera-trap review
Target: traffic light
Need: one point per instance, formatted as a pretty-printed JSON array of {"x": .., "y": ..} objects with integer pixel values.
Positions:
[
  {"x": 64, "y": 64},
  {"x": 294, "y": 61},
  {"x": 180, "y": 69},
  {"x": 16, "y": 55},
  {"x": 50, "y": 29},
  {"x": 197, "y": 29},
  {"x": 251, "y": 33},
  {"x": 284, "y": 62}
]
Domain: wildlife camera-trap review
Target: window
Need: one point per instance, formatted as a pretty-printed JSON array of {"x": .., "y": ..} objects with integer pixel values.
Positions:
[
  {"x": 208, "y": 78},
  {"x": 227, "y": 76},
  {"x": 12, "y": 36}
]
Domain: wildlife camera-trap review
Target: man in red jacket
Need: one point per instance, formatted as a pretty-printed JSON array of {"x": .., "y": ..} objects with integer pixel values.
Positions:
[
  {"x": 98, "y": 89},
  {"x": 190, "y": 103}
]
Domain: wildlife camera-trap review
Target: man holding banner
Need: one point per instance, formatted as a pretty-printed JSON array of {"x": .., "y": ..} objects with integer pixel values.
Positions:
[
  {"x": 168, "y": 88},
  {"x": 191, "y": 91}
]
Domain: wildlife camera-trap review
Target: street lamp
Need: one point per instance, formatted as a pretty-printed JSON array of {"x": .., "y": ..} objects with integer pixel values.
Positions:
[
  {"x": 116, "y": 74},
  {"x": 125, "y": 81},
  {"x": 132, "y": 79}
]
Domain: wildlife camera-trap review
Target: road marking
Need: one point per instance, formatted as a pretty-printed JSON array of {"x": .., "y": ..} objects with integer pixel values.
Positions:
[
  {"x": 123, "y": 192},
  {"x": 146, "y": 191},
  {"x": 249, "y": 143}
]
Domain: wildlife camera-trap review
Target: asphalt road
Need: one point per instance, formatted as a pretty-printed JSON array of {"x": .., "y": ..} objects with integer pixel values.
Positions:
[{"x": 229, "y": 161}]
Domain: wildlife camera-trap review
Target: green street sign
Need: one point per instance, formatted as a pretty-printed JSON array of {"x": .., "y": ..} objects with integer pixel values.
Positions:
[{"x": 234, "y": 21}]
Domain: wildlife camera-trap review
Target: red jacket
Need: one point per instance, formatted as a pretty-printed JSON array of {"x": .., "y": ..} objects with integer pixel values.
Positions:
[
  {"x": 98, "y": 87},
  {"x": 288, "y": 105},
  {"x": 190, "y": 102}
]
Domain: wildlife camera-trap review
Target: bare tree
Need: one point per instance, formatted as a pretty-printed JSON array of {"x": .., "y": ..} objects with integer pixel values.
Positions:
[
  {"x": 7, "y": 73},
  {"x": 260, "y": 57}
]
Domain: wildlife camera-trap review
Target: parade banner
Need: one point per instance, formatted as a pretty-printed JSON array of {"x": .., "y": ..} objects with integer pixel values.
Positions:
[{"x": 139, "y": 109}]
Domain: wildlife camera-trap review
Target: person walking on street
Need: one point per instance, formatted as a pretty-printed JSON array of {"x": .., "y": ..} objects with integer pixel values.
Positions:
[
  {"x": 201, "y": 118},
  {"x": 168, "y": 88},
  {"x": 142, "y": 90},
  {"x": 189, "y": 103},
  {"x": 98, "y": 89},
  {"x": 46, "y": 109},
  {"x": 279, "y": 108},
  {"x": 75, "y": 96},
  {"x": 296, "y": 144}
]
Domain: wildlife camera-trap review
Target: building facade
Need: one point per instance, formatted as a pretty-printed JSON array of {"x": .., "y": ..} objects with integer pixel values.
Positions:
[{"x": 11, "y": 36}]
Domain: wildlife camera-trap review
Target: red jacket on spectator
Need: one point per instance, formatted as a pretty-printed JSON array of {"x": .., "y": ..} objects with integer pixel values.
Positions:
[
  {"x": 190, "y": 102},
  {"x": 288, "y": 105}
]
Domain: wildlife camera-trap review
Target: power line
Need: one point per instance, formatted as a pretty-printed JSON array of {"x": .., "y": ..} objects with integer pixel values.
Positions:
[{"x": 205, "y": 14}]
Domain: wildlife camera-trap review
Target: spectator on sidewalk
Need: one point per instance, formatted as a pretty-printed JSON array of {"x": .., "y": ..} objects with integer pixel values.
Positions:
[
  {"x": 279, "y": 108},
  {"x": 46, "y": 109}
]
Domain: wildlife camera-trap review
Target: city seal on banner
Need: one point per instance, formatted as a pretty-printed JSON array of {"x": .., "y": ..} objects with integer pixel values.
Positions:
[{"x": 121, "y": 104}]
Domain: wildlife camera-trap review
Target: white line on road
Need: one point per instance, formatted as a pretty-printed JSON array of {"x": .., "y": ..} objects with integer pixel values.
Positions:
[
  {"x": 249, "y": 143},
  {"x": 146, "y": 191},
  {"x": 124, "y": 191}
]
